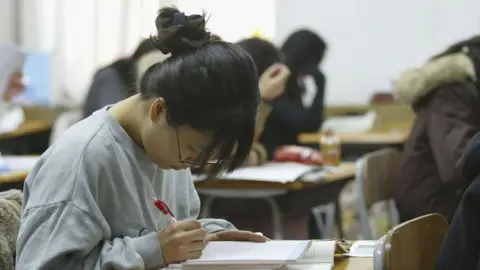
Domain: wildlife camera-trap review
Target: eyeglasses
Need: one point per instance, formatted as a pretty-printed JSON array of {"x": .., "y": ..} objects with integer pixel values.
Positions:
[{"x": 193, "y": 164}]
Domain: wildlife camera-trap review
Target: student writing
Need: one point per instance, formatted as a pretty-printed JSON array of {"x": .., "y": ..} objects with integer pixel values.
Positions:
[{"x": 88, "y": 201}]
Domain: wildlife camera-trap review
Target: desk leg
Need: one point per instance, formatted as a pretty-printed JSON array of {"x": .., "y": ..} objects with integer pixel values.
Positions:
[
  {"x": 339, "y": 218},
  {"x": 276, "y": 219}
]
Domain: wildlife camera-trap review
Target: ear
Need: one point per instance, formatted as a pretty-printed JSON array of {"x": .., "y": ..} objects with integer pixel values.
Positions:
[{"x": 157, "y": 108}]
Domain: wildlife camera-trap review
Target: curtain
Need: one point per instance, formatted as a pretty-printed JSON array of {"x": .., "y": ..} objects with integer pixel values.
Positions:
[{"x": 82, "y": 36}]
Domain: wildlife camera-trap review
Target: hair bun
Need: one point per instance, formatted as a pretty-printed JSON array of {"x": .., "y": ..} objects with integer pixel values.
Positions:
[{"x": 178, "y": 33}]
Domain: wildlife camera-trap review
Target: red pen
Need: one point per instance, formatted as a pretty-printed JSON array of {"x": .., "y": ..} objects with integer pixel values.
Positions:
[{"x": 164, "y": 209}]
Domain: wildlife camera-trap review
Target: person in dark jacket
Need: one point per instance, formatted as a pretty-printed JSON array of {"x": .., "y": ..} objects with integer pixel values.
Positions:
[
  {"x": 444, "y": 94},
  {"x": 116, "y": 81},
  {"x": 300, "y": 108},
  {"x": 461, "y": 246}
]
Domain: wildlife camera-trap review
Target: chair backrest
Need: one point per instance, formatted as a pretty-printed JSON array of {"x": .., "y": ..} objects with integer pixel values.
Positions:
[
  {"x": 377, "y": 175},
  {"x": 382, "y": 98},
  {"x": 414, "y": 244},
  {"x": 393, "y": 117}
]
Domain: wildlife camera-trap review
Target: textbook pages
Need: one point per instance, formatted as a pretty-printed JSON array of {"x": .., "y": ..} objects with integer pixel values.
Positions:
[{"x": 281, "y": 254}]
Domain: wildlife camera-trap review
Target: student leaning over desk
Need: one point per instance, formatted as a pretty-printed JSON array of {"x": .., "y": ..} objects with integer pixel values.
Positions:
[
  {"x": 300, "y": 108},
  {"x": 444, "y": 94},
  {"x": 273, "y": 75},
  {"x": 88, "y": 201}
]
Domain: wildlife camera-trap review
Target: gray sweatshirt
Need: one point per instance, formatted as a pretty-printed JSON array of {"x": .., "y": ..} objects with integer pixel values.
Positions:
[{"x": 88, "y": 202}]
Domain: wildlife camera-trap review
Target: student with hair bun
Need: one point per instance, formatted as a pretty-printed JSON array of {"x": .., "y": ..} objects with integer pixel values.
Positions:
[{"x": 88, "y": 201}]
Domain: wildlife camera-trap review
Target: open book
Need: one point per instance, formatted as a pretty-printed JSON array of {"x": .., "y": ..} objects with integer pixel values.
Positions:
[
  {"x": 280, "y": 172},
  {"x": 281, "y": 254}
]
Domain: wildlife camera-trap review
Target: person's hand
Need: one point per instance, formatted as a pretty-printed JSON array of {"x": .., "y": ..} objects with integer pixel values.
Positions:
[
  {"x": 236, "y": 235},
  {"x": 273, "y": 80},
  {"x": 181, "y": 241}
]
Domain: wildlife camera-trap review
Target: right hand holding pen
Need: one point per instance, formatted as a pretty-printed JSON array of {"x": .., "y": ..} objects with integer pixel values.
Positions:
[{"x": 181, "y": 241}]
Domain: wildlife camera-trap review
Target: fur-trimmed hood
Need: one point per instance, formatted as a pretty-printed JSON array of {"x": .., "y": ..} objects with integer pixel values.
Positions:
[{"x": 416, "y": 83}]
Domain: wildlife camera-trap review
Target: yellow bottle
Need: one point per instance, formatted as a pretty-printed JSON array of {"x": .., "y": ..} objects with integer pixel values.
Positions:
[{"x": 330, "y": 146}]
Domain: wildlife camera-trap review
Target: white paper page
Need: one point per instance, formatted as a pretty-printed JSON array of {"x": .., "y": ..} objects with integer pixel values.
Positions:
[
  {"x": 19, "y": 163},
  {"x": 282, "y": 172},
  {"x": 310, "y": 266},
  {"x": 349, "y": 124},
  {"x": 319, "y": 252},
  {"x": 11, "y": 118},
  {"x": 227, "y": 267},
  {"x": 270, "y": 252},
  {"x": 364, "y": 248}
]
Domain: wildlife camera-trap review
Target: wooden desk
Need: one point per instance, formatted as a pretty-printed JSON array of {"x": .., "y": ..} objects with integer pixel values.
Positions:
[
  {"x": 13, "y": 177},
  {"x": 27, "y": 128},
  {"x": 353, "y": 264},
  {"x": 347, "y": 172},
  {"x": 385, "y": 138}
]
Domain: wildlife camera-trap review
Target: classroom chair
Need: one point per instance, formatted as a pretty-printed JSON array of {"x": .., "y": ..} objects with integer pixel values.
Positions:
[
  {"x": 382, "y": 98},
  {"x": 412, "y": 245},
  {"x": 375, "y": 176}
]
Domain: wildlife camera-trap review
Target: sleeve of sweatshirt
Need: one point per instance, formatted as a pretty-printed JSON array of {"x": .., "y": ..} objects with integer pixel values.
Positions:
[
  {"x": 62, "y": 226},
  {"x": 62, "y": 236},
  {"x": 211, "y": 225}
]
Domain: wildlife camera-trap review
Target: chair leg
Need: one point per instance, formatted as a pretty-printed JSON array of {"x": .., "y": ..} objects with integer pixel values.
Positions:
[
  {"x": 392, "y": 213},
  {"x": 339, "y": 218},
  {"x": 276, "y": 218},
  {"x": 318, "y": 212}
]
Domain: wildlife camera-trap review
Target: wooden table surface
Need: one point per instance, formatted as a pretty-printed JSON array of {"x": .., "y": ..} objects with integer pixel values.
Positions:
[
  {"x": 13, "y": 177},
  {"x": 353, "y": 264},
  {"x": 347, "y": 170},
  {"x": 371, "y": 137},
  {"x": 27, "y": 128}
]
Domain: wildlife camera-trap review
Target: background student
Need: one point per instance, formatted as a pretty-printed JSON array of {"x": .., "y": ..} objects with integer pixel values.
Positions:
[
  {"x": 116, "y": 81},
  {"x": 88, "y": 201},
  {"x": 445, "y": 96},
  {"x": 300, "y": 108},
  {"x": 11, "y": 71},
  {"x": 273, "y": 76}
]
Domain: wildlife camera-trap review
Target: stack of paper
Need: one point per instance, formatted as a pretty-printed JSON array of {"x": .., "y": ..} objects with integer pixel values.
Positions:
[
  {"x": 285, "y": 254},
  {"x": 280, "y": 172}
]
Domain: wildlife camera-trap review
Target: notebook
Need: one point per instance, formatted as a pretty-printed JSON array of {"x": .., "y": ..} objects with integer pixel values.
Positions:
[
  {"x": 276, "y": 254},
  {"x": 280, "y": 172}
]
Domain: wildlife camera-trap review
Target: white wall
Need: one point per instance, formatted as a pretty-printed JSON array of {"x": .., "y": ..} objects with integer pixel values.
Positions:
[
  {"x": 372, "y": 41},
  {"x": 232, "y": 19},
  {"x": 7, "y": 20}
]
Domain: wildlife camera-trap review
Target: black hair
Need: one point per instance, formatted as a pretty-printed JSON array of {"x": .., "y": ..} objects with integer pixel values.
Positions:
[
  {"x": 207, "y": 84},
  {"x": 304, "y": 50},
  {"x": 263, "y": 53}
]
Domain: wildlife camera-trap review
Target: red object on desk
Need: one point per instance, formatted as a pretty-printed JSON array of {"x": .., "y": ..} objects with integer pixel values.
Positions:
[{"x": 300, "y": 154}]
